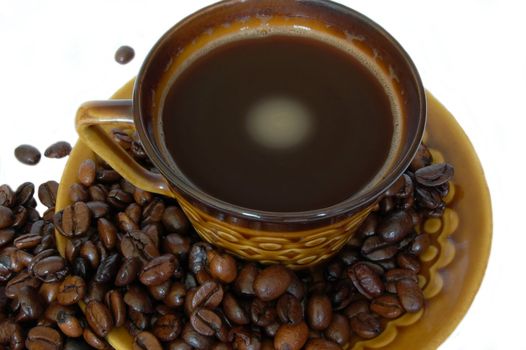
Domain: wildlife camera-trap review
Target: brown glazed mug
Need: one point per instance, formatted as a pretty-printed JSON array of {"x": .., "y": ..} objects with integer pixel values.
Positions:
[{"x": 297, "y": 239}]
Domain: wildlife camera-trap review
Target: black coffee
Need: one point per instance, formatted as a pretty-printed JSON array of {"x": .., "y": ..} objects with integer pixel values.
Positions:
[{"x": 280, "y": 123}]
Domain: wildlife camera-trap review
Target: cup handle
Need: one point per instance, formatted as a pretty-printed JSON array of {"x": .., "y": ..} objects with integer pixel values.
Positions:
[{"x": 92, "y": 123}]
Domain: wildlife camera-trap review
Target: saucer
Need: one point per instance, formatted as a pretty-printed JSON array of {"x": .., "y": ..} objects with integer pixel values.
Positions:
[{"x": 453, "y": 266}]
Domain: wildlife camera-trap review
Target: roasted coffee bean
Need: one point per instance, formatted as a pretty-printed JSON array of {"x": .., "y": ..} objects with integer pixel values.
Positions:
[
  {"x": 139, "y": 320},
  {"x": 128, "y": 271},
  {"x": 396, "y": 275},
  {"x": 168, "y": 327},
  {"x": 223, "y": 267},
  {"x": 375, "y": 248},
  {"x": 119, "y": 199},
  {"x": 21, "y": 217},
  {"x": 137, "y": 299},
  {"x": 321, "y": 344},
  {"x": 47, "y": 193},
  {"x": 7, "y": 217},
  {"x": 262, "y": 313},
  {"x": 20, "y": 260},
  {"x": 99, "y": 318},
  {"x": 174, "y": 220},
  {"x": 121, "y": 137},
  {"x": 233, "y": 310},
  {"x": 208, "y": 295},
  {"x": 176, "y": 295},
  {"x": 87, "y": 172},
  {"x": 98, "y": 209},
  {"x": 423, "y": 158},
  {"x": 244, "y": 339},
  {"x": 98, "y": 192},
  {"x": 410, "y": 295},
  {"x": 408, "y": 261},
  {"x": 339, "y": 331},
  {"x": 126, "y": 224},
  {"x": 27, "y": 154},
  {"x": 107, "y": 233},
  {"x": 366, "y": 325},
  {"x": 319, "y": 312},
  {"x": 69, "y": 325},
  {"x": 107, "y": 269},
  {"x": 443, "y": 190},
  {"x": 158, "y": 270},
  {"x": 78, "y": 193},
  {"x": 366, "y": 280},
  {"x": 289, "y": 309},
  {"x": 291, "y": 336},
  {"x": 50, "y": 269},
  {"x": 48, "y": 291},
  {"x": 388, "y": 264},
  {"x": 272, "y": 282},
  {"x": 138, "y": 244},
  {"x": 58, "y": 150},
  {"x": 146, "y": 341},
  {"x": 24, "y": 194},
  {"x": 29, "y": 305},
  {"x": 205, "y": 322},
  {"x": 51, "y": 312},
  {"x": 71, "y": 290},
  {"x": 107, "y": 176},
  {"x": 395, "y": 226},
  {"x": 7, "y": 196},
  {"x": 196, "y": 340},
  {"x": 94, "y": 341},
  {"x": 387, "y": 306},
  {"x": 428, "y": 198},
  {"x": 142, "y": 197},
  {"x": 153, "y": 212},
  {"x": 96, "y": 291},
  {"x": 117, "y": 307},
  {"x": 434, "y": 175},
  {"x": 333, "y": 271},
  {"x": 419, "y": 244},
  {"x": 197, "y": 259},
  {"x": 408, "y": 188},
  {"x": 296, "y": 287},
  {"x": 43, "y": 338},
  {"x": 154, "y": 232},
  {"x": 342, "y": 295},
  {"x": 11, "y": 335},
  {"x": 27, "y": 241},
  {"x": 176, "y": 244},
  {"x": 6, "y": 236},
  {"x": 134, "y": 212},
  {"x": 89, "y": 251},
  {"x": 244, "y": 283},
  {"x": 81, "y": 267},
  {"x": 160, "y": 291},
  {"x": 124, "y": 54},
  {"x": 75, "y": 220}
]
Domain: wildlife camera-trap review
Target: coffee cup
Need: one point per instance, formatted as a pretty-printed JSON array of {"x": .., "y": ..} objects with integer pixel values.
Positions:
[{"x": 300, "y": 232}]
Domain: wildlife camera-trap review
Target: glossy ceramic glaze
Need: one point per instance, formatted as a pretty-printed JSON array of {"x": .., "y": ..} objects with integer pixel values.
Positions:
[{"x": 454, "y": 265}]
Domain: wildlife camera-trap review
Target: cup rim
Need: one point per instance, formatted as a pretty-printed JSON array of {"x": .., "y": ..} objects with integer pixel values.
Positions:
[{"x": 351, "y": 204}]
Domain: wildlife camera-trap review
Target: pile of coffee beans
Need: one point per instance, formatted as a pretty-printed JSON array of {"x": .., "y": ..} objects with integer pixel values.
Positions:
[{"x": 135, "y": 261}]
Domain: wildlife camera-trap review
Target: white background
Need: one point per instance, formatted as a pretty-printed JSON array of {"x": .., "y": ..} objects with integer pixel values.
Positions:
[{"x": 471, "y": 54}]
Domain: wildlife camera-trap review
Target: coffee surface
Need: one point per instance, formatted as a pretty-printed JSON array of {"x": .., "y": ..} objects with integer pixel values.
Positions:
[{"x": 278, "y": 123}]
